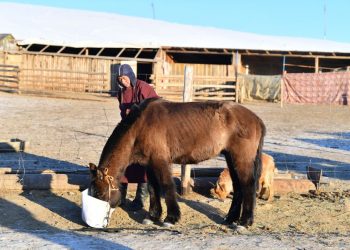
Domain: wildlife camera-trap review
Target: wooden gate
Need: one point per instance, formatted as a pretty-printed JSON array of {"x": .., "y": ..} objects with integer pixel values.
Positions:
[
  {"x": 210, "y": 82},
  {"x": 204, "y": 88},
  {"x": 9, "y": 77}
]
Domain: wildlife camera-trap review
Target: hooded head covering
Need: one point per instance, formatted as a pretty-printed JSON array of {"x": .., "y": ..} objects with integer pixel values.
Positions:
[{"x": 126, "y": 70}]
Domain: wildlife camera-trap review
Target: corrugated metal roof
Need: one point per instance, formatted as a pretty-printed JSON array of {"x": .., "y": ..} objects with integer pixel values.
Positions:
[
  {"x": 76, "y": 28},
  {"x": 2, "y": 36}
]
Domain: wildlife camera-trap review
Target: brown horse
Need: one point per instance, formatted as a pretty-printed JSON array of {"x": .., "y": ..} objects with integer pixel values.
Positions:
[{"x": 158, "y": 133}]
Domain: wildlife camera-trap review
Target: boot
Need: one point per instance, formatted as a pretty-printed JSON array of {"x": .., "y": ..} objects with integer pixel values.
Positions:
[
  {"x": 141, "y": 195},
  {"x": 123, "y": 189}
]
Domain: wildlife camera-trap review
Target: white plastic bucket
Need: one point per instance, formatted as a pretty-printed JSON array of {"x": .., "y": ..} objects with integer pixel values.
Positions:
[{"x": 95, "y": 212}]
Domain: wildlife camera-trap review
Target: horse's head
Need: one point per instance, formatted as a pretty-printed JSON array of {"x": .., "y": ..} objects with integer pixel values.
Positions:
[{"x": 104, "y": 186}]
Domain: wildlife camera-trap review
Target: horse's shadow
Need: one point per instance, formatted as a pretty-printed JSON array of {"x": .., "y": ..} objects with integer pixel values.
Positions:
[
  {"x": 213, "y": 213},
  {"x": 21, "y": 220},
  {"x": 137, "y": 216}
]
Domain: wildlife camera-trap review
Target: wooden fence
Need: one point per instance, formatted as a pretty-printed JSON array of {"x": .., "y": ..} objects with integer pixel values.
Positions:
[
  {"x": 65, "y": 73},
  {"x": 63, "y": 80},
  {"x": 41, "y": 72},
  {"x": 9, "y": 77},
  {"x": 204, "y": 87}
]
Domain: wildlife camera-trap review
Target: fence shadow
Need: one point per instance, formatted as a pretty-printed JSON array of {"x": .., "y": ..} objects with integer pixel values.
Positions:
[
  {"x": 338, "y": 140},
  {"x": 299, "y": 163},
  {"x": 37, "y": 172}
]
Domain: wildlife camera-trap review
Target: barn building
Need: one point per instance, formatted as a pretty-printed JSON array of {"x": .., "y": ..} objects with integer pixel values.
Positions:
[{"x": 74, "y": 50}]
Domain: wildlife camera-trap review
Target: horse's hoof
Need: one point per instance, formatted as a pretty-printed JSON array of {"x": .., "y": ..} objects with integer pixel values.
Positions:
[
  {"x": 246, "y": 222},
  {"x": 229, "y": 220},
  {"x": 229, "y": 224},
  {"x": 168, "y": 224},
  {"x": 147, "y": 222},
  {"x": 224, "y": 221},
  {"x": 241, "y": 230}
]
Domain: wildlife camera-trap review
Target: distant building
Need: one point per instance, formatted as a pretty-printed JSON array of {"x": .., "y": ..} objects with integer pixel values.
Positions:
[{"x": 8, "y": 43}]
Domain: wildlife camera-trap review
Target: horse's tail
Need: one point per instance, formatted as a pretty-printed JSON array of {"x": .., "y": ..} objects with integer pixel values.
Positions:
[{"x": 258, "y": 157}]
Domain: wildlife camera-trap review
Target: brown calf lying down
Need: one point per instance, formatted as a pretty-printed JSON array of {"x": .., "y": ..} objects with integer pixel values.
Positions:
[{"x": 265, "y": 191}]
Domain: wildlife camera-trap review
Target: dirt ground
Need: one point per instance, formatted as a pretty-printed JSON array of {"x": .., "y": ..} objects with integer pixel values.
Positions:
[
  {"x": 293, "y": 221},
  {"x": 66, "y": 134}
]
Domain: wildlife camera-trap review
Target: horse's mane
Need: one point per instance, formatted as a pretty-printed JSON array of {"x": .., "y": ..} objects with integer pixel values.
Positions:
[{"x": 123, "y": 126}]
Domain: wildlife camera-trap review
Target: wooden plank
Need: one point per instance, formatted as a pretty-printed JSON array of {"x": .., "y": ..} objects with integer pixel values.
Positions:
[
  {"x": 43, "y": 181},
  {"x": 8, "y": 66},
  {"x": 9, "y": 76},
  {"x": 8, "y": 81},
  {"x": 206, "y": 94},
  {"x": 199, "y": 77},
  {"x": 285, "y": 186},
  {"x": 214, "y": 98},
  {"x": 8, "y": 70},
  {"x": 69, "y": 78},
  {"x": 138, "y": 53},
  {"x": 63, "y": 71},
  {"x": 174, "y": 84},
  {"x": 214, "y": 86}
]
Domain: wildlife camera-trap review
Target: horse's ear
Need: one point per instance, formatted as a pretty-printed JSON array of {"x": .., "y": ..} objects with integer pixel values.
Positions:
[
  {"x": 105, "y": 171},
  {"x": 135, "y": 107},
  {"x": 93, "y": 169},
  {"x": 92, "y": 166}
]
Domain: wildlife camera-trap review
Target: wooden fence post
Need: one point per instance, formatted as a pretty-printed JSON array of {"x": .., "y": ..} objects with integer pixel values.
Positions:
[
  {"x": 188, "y": 84},
  {"x": 282, "y": 87},
  {"x": 187, "y": 97},
  {"x": 282, "y": 80}
]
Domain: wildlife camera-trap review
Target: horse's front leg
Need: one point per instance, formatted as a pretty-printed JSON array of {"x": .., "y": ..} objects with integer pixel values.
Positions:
[
  {"x": 173, "y": 209},
  {"x": 155, "y": 208},
  {"x": 162, "y": 171}
]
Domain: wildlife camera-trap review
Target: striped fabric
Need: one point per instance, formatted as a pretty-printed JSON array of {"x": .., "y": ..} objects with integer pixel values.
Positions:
[{"x": 321, "y": 88}]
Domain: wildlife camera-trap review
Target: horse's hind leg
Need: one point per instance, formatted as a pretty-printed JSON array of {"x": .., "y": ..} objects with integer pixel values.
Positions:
[
  {"x": 252, "y": 170},
  {"x": 155, "y": 208},
  {"x": 249, "y": 200},
  {"x": 242, "y": 171},
  {"x": 164, "y": 175},
  {"x": 247, "y": 178},
  {"x": 235, "y": 209}
]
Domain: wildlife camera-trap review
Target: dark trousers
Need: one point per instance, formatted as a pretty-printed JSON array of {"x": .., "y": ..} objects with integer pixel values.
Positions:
[{"x": 135, "y": 173}]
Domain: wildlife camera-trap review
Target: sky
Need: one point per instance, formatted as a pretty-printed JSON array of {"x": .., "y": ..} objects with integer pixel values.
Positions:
[{"x": 320, "y": 19}]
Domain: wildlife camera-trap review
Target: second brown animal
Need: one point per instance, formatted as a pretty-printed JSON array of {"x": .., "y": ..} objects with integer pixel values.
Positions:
[{"x": 224, "y": 186}]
